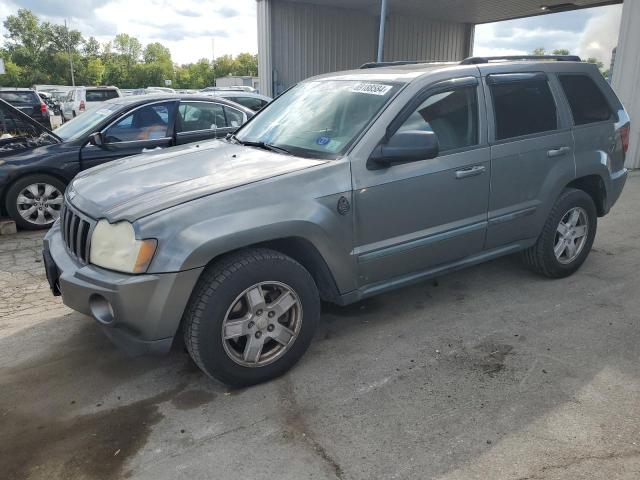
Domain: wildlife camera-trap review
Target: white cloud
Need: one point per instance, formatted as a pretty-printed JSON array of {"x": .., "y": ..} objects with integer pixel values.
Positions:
[
  {"x": 601, "y": 35},
  {"x": 187, "y": 27},
  {"x": 589, "y": 33}
]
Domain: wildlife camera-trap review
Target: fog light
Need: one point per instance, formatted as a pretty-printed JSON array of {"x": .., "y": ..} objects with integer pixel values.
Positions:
[{"x": 101, "y": 309}]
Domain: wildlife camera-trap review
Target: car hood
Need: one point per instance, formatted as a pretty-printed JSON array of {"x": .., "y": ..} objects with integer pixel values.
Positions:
[
  {"x": 23, "y": 131},
  {"x": 138, "y": 186}
]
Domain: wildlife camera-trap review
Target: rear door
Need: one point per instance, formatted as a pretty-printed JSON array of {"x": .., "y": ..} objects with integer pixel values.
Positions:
[
  {"x": 202, "y": 120},
  {"x": 146, "y": 128},
  {"x": 531, "y": 153}
]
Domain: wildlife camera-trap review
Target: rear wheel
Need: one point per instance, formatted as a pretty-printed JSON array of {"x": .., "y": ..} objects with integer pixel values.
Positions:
[
  {"x": 34, "y": 201},
  {"x": 251, "y": 317},
  {"x": 567, "y": 236}
]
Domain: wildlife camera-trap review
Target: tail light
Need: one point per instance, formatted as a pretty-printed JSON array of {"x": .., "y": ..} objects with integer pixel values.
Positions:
[
  {"x": 43, "y": 107},
  {"x": 624, "y": 137},
  {"x": 82, "y": 105}
]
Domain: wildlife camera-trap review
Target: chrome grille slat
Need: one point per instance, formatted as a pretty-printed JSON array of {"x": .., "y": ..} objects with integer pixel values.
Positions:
[{"x": 76, "y": 232}]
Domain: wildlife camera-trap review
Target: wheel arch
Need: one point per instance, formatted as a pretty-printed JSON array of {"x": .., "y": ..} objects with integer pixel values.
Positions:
[{"x": 594, "y": 186}]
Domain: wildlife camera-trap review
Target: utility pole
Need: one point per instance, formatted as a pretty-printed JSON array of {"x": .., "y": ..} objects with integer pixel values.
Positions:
[
  {"x": 213, "y": 59},
  {"x": 73, "y": 80}
]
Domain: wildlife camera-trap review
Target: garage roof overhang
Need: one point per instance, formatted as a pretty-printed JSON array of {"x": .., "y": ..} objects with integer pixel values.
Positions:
[{"x": 465, "y": 11}]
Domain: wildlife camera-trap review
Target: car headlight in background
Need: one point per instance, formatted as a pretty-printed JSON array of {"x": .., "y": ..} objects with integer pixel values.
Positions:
[{"x": 114, "y": 246}]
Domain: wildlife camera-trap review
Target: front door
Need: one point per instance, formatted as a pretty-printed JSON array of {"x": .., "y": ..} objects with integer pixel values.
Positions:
[
  {"x": 201, "y": 120},
  {"x": 145, "y": 129},
  {"x": 416, "y": 216}
]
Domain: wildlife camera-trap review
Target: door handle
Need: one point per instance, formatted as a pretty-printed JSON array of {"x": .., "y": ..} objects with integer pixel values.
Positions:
[
  {"x": 558, "y": 152},
  {"x": 470, "y": 172},
  {"x": 147, "y": 150}
]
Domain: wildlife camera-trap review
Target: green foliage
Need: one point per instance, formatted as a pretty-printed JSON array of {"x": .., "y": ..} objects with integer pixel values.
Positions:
[
  {"x": 564, "y": 51},
  {"x": 38, "y": 52}
]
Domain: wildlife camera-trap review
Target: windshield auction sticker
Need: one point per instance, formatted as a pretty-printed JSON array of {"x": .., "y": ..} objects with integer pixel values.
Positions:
[{"x": 371, "y": 88}]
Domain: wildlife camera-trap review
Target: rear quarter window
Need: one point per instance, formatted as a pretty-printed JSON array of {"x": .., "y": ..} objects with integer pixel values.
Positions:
[
  {"x": 523, "y": 107},
  {"x": 587, "y": 102},
  {"x": 29, "y": 98},
  {"x": 100, "y": 95}
]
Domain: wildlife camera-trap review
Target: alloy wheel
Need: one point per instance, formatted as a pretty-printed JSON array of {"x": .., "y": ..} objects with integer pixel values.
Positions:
[
  {"x": 39, "y": 203},
  {"x": 571, "y": 235},
  {"x": 262, "y": 324}
]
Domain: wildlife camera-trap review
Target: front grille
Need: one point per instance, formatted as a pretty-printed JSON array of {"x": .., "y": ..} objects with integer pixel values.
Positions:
[{"x": 76, "y": 232}]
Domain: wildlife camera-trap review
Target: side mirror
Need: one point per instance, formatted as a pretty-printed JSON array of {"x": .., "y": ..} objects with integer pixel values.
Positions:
[
  {"x": 96, "y": 139},
  {"x": 403, "y": 147}
]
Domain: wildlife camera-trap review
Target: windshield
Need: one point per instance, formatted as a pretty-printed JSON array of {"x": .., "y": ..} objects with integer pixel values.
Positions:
[
  {"x": 86, "y": 123},
  {"x": 319, "y": 119}
]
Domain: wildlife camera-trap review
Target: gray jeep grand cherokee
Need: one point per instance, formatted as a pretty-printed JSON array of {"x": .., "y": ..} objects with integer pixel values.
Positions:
[{"x": 348, "y": 185}]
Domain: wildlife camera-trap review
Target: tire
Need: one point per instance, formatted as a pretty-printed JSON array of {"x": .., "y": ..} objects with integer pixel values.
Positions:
[
  {"x": 49, "y": 205},
  {"x": 227, "y": 289},
  {"x": 541, "y": 257}
]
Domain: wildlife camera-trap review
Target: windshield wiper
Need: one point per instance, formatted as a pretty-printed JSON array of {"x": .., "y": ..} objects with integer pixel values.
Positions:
[{"x": 263, "y": 145}]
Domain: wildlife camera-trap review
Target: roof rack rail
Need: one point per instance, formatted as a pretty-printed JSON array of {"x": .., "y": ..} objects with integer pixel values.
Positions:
[
  {"x": 390, "y": 64},
  {"x": 558, "y": 58}
]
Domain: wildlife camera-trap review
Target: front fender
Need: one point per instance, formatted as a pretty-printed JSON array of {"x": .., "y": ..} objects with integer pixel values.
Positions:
[{"x": 193, "y": 234}]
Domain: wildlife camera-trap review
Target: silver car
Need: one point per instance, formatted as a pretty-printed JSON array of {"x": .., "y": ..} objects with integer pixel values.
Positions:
[{"x": 348, "y": 185}]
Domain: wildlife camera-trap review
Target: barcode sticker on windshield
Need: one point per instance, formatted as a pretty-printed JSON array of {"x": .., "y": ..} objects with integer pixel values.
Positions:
[{"x": 371, "y": 88}]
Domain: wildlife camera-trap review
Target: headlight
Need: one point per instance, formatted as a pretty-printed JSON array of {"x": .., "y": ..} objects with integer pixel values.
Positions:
[{"x": 114, "y": 246}]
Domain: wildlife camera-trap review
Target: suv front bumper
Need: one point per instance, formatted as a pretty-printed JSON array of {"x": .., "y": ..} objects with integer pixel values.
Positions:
[{"x": 139, "y": 313}]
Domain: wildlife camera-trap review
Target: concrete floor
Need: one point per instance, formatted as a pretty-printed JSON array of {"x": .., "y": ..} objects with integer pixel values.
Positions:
[{"x": 489, "y": 373}]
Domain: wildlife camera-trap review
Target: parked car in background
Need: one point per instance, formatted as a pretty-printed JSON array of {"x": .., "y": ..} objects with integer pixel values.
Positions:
[
  {"x": 348, "y": 185},
  {"x": 254, "y": 101},
  {"x": 244, "y": 88},
  {"x": 81, "y": 99},
  {"x": 29, "y": 102},
  {"x": 36, "y": 164},
  {"x": 55, "y": 108},
  {"x": 126, "y": 91},
  {"x": 153, "y": 90}
]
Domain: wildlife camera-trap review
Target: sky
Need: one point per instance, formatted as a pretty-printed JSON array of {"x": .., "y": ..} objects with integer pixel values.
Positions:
[
  {"x": 188, "y": 27},
  {"x": 590, "y": 32}
]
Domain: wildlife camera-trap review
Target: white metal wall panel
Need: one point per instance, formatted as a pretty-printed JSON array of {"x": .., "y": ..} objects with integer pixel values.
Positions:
[
  {"x": 265, "y": 60},
  {"x": 309, "y": 40},
  {"x": 626, "y": 72},
  {"x": 418, "y": 38}
]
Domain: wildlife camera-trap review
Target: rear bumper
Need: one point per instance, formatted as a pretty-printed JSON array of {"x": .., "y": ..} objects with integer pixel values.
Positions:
[
  {"x": 139, "y": 313},
  {"x": 618, "y": 180}
]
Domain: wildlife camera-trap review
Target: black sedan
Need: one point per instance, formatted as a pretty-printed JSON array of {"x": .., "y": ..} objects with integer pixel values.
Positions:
[{"x": 37, "y": 164}]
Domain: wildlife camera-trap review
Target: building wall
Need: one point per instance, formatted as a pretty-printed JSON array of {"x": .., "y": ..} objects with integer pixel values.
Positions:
[
  {"x": 299, "y": 40},
  {"x": 626, "y": 72},
  {"x": 418, "y": 38}
]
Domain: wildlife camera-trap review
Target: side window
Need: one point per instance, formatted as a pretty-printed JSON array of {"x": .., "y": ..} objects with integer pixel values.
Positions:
[
  {"x": 587, "y": 102},
  {"x": 235, "y": 118},
  {"x": 452, "y": 115},
  {"x": 523, "y": 107},
  {"x": 196, "y": 116},
  {"x": 150, "y": 122},
  {"x": 254, "y": 104}
]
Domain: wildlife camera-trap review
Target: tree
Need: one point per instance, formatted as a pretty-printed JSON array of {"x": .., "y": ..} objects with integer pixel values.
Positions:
[
  {"x": 561, "y": 51},
  {"x": 156, "y": 52},
  {"x": 247, "y": 64},
  {"x": 539, "y": 51},
  {"x": 38, "y": 52}
]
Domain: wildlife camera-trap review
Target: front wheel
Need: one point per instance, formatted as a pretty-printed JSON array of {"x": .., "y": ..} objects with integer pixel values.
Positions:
[
  {"x": 251, "y": 317},
  {"x": 567, "y": 236},
  {"x": 35, "y": 201}
]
